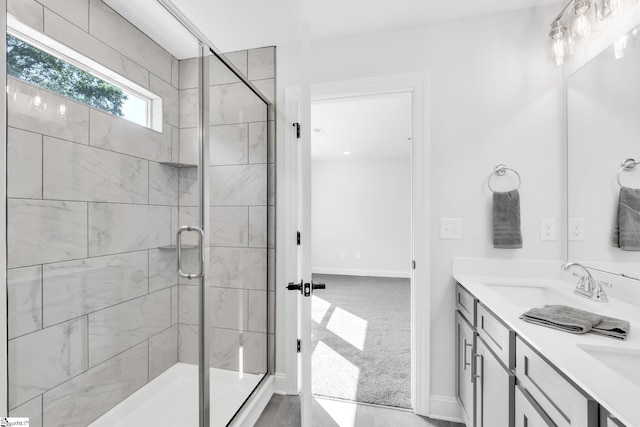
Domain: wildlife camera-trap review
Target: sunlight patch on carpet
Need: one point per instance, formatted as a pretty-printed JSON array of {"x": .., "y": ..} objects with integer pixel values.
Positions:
[
  {"x": 349, "y": 327},
  {"x": 319, "y": 308}
]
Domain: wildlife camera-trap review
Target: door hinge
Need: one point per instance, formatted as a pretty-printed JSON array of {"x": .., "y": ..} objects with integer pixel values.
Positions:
[
  {"x": 413, "y": 264},
  {"x": 297, "y": 126},
  {"x": 298, "y": 346},
  {"x": 298, "y": 238}
]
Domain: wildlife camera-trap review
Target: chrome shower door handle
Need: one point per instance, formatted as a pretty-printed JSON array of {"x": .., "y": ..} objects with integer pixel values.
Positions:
[{"x": 200, "y": 251}]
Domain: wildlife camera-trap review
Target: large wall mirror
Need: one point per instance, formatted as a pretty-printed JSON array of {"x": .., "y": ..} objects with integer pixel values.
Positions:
[{"x": 603, "y": 114}]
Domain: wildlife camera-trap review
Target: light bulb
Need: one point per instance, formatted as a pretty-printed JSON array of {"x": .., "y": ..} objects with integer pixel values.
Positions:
[{"x": 37, "y": 100}]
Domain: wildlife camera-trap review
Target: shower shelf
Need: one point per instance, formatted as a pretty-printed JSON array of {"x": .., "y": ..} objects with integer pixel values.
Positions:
[
  {"x": 174, "y": 247},
  {"x": 179, "y": 165}
]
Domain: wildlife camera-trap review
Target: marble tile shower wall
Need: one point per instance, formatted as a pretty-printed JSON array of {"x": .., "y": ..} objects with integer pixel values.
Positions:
[
  {"x": 242, "y": 198},
  {"x": 93, "y": 301}
]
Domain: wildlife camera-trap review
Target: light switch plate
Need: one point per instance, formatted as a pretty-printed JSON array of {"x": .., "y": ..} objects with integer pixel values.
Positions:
[{"x": 451, "y": 228}]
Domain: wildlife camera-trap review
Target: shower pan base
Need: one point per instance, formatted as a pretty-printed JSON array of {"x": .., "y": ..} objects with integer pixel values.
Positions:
[{"x": 172, "y": 399}]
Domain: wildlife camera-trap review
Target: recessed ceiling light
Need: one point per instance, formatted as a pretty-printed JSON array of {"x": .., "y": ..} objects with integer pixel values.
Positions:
[{"x": 346, "y": 153}]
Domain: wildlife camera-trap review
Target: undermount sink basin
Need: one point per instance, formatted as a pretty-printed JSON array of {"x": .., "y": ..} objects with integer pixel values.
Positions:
[
  {"x": 623, "y": 361},
  {"x": 532, "y": 295}
]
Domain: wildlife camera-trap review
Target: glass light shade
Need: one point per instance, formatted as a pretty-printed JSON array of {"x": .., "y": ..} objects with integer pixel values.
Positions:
[
  {"x": 584, "y": 25},
  {"x": 611, "y": 8},
  {"x": 559, "y": 43}
]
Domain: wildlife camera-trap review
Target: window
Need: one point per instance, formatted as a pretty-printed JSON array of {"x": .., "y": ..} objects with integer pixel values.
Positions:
[{"x": 42, "y": 62}]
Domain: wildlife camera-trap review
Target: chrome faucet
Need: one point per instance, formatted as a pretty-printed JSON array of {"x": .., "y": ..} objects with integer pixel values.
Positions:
[{"x": 587, "y": 286}]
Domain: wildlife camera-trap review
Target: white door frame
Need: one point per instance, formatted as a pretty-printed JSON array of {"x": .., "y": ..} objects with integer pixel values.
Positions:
[{"x": 416, "y": 84}]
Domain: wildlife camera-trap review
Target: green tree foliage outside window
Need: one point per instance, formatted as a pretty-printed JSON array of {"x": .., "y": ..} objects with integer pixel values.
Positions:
[{"x": 39, "y": 68}]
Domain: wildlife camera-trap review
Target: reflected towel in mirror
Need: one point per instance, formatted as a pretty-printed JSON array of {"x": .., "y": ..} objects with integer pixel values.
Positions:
[
  {"x": 626, "y": 234},
  {"x": 506, "y": 220}
]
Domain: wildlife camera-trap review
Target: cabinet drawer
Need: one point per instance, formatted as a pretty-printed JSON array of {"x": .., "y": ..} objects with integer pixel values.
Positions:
[
  {"x": 497, "y": 336},
  {"x": 565, "y": 405},
  {"x": 528, "y": 414},
  {"x": 466, "y": 304}
]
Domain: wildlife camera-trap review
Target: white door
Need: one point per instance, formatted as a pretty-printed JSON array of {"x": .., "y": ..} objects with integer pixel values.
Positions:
[
  {"x": 299, "y": 151},
  {"x": 299, "y": 213}
]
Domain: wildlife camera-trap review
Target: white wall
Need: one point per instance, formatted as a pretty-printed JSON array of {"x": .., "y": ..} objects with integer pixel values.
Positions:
[
  {"x": 493, "y": 98},
  {"x": 361, "y": 207}
]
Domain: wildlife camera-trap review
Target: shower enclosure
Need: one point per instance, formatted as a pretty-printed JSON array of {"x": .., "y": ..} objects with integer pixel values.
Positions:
[{"x": 135, "y": 151}]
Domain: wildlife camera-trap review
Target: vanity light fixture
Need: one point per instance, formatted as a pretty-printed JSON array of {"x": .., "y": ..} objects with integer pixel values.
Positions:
[{"x": 578, "y": 23}]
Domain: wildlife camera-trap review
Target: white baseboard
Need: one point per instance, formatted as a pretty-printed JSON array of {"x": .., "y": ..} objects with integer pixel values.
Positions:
[
  {"x": 280, "y": 385},
  {"x": 253, "y": 409},
  {"x": 358, "y": 272},
  {"x": 444, "y": 408}
]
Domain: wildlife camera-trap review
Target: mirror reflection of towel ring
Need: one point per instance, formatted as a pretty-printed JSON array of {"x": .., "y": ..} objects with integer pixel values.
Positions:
[
  {"x": 501, "y": 170},
  {"x": 627, "y": 165}
]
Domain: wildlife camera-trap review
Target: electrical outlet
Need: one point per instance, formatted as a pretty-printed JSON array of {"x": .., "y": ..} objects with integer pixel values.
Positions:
[
  {"x": 576, "y": 229},
  {"x": 547, "y": 229},
  {"x": 451, "y": 228}
]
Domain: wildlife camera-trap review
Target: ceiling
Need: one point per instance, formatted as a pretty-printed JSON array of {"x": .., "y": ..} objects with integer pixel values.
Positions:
[
  {"x": 366, "y": 127},
  {"x": 241, "y": 24}
]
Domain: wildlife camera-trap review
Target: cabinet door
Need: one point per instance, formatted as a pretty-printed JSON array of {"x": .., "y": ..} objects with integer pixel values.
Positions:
[
  {"x": 494, "y": 389},
  {"x": 465, "y": 337},
  {"x": 528, "y": 414},
  {"x": 608, "y": 420}
]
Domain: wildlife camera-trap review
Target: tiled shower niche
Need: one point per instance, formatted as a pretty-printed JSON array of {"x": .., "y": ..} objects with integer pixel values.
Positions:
[{"x": 96, "y": 309}]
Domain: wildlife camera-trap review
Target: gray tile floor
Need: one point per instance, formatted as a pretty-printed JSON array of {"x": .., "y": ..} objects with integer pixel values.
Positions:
[{"x": 284, "y": 411}]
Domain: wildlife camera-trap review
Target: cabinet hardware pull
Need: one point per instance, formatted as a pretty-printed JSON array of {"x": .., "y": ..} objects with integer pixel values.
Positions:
[{"x": 466, "y": 344}]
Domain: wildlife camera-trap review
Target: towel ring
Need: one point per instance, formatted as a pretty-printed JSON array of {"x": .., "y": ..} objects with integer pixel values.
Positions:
[
  {"x": 627, "y": 165},
  {"x": 501, "y": 170}
]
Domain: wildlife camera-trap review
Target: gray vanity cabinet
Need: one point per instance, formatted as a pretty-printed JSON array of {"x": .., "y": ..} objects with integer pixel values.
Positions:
[{"x": 501, "y": 381}]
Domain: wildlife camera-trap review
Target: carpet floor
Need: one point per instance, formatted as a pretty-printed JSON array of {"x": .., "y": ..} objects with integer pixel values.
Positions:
[{"x": 362, "y": 339}]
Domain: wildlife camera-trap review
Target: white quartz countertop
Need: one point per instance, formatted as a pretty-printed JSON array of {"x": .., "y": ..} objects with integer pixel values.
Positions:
[{"x": 609, "y": 387}]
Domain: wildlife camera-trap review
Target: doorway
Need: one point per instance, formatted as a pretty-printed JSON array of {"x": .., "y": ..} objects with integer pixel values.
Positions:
[{"x": 361, "y": 247}]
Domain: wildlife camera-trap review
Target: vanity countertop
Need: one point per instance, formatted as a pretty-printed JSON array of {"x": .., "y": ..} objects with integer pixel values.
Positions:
[{"x": 509, "y": 297}]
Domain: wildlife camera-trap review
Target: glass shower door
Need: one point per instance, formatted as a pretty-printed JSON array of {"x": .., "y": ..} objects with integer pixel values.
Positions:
[{"x": 241, "y": 227}]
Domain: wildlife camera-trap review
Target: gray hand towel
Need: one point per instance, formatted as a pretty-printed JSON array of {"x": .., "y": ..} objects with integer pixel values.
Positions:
[
  {"x": 564, "y": 318},
  {"x": 611, "y": 327},
  {"x": 626, "y": 233},
  {"x": 506, "y": 220}
]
